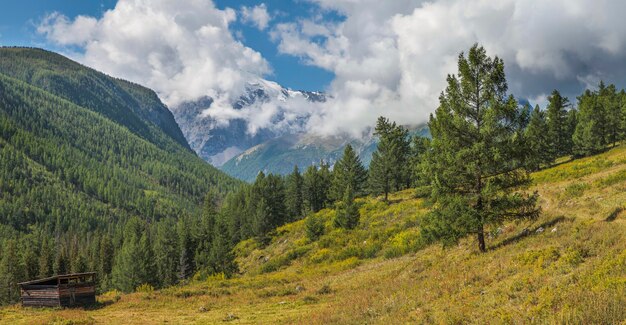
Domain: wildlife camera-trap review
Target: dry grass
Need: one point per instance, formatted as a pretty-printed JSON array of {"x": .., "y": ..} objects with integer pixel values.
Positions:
[{"x": 572, "y": 272}]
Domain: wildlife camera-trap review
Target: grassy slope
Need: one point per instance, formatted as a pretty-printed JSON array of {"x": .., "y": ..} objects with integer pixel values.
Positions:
[{"x": 574, "y": 274}]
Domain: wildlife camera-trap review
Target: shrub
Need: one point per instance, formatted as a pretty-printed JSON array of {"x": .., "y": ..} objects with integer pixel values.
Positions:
[
  {"x": 575, "y": 190},
  {"x": 145, "y": 288},
  {"x": 314, "y": 227}
]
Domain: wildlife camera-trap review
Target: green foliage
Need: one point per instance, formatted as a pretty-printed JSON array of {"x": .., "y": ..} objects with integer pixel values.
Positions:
[
  {"x": 294, "y": 199},
  {"x": 134, "y": 265},
  {"x": 316, "y": 187},
  {"x": 477, "y": 158},
  {"x": 347, "y": 216},
  {"x": 348, "y": 172},
  {"x": 540, "y": 146},
  {"x": 557, "y": 130},
  {"x": 314, "y": 227},
  {"x": 389, "y": 168}
]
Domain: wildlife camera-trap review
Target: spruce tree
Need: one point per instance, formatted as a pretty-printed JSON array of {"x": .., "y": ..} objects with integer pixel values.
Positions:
[
  {"x": 348, "y": 172},
  {"x": 538, "y": 141},
  {"x": 166, "y": 252},
  {"x": 293, "y": 196},
  {"x": 221, "y": 259},
  {"x": 134, "y": 264},
  {"x": 11, "y": 272},
  {"x": 205, "y": 230},
  {"x": 475, "y": 160},
  {"x": 556, "y": 118},
  {"x": 186, "y": 250},
  {"x": 588, "y": 137},
  {"x": 389, "y": 168},
  {"x": 347, "y": 216},
  {"x": 316, "y": 184}
]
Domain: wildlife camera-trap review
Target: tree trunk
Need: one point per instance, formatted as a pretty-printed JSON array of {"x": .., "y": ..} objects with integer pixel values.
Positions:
[{"x": 481, "y": 241}]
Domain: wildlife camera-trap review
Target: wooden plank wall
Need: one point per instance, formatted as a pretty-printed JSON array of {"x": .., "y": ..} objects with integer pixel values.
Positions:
[{"x": 42, "y": 295}]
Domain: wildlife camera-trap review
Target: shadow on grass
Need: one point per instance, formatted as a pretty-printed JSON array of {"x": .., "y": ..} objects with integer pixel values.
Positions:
[
  {"x": 614, "y": 214},
  {"x": 528, "y": 232}
]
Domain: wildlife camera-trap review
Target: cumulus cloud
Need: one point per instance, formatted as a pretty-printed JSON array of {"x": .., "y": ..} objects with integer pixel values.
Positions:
[
  {"x": 257, "y": 15},
  {"x": 182, "y": 50},
  {"x": 59, "y": 29},
  {"x": 391, "y": 57}
]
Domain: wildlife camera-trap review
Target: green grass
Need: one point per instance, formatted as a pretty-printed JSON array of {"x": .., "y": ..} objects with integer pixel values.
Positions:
[{"x": 572, "y": 271}]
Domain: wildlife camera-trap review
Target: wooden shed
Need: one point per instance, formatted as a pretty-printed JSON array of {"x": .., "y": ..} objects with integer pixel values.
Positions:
[{"x": 78, "y": 289}]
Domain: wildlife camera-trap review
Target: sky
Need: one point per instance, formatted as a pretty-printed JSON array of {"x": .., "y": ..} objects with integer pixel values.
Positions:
[{"x": 371, "y": 57}]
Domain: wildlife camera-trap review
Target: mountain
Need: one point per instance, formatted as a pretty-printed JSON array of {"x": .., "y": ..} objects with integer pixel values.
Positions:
[
  {"x": 84, "y": 151},
  {"x": 279, "y": 155},
  {"x": 217, "y": 143},
  {"x": 133, "y": 106}
]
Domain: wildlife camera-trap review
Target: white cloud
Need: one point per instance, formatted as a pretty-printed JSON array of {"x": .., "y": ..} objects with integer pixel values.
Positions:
[
  {"x": 257, "y": 15},
  {"x": 59, "y": 29},
  {"x": 391, "y": 57},
  {"x": 182, "y": 50}
]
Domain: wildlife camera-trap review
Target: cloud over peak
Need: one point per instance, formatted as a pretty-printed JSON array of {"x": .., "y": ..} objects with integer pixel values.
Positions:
[{"x": 388, "y": 57}]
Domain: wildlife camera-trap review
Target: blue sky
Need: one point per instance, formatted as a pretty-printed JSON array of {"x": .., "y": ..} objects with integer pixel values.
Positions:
[{"x": 19, "y": 18}]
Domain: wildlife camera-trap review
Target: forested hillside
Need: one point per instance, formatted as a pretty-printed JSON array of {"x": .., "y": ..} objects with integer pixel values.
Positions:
[
  {"x": 128, "y": 104},
  {"x": 71, "y": 176}
]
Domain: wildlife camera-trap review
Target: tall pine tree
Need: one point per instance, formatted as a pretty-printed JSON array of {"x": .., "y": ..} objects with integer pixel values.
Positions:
[
  {"x": 540, "y": 147},
  {"x": 475, "y": 158}
]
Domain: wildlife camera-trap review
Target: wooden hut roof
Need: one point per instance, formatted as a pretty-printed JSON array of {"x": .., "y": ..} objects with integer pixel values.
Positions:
[{"x": 63, "y": 276}]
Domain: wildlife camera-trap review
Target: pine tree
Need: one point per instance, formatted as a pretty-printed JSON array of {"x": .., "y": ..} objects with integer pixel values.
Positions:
[
  {"x": 556, "y": 120},
  {"x": 134, "y": 265},
  {"x": 475, "y": 157},
  {"x": 613, "y": 111},
  {"x": 588, "y": 137},
  {"x": 419, "y": 151},
  {"x": 293, "y": 196},
  {"x": 166, "y": 252},
  {"x": 316, "y": 184},
  {"x": 61, "y": 262},
  {"x": 347, "y": 216},
  {"x": 348, "y": 172},
  {"x": 11, "y": 272},
  {"x": 221, "y": 259},
  {"x": 538, "y": 142},
  {"x": 390, "y": 168},
  {"x": 45, "y": 260},
  {"x": 185, "y": 245},
  {"x": 205, "y": 230}
]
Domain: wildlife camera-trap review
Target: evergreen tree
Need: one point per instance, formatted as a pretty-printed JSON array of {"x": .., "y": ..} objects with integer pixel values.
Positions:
[
  {"x": 613, "y": 111},
  {"x": 61, "y": 262},
  {"x": 293, "y": 196},
  {"x": 11, "y": 272},
  {"x": 185, "y": 245},
  {"x": 314, "y": 227},
  {"x": 30, "y": 262},
  {"x": 45, "y": 260},
  {"x": 556, "y": 119},
  {"x": 475, "y": 156},
  {"x": 347, "y": 216},
  {"x": 134, "y": 265},
  {"x": 538, "y": 142},
  {"x": 166, "y": 252},
  {"x": 205, "y": 230},
  {"x": 588, "y": 137},
  {"x": 419, "y": 151},
  {"x": 389, "y": 168},
  {"x": 316, "y": 183},
  {"x": 221, "y": 259},
  {"x": 348, "y": 172}
]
